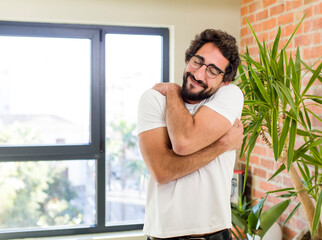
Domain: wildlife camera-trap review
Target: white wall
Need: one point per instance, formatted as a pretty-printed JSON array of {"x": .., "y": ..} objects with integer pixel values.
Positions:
[{"x": 185, "y": 18}]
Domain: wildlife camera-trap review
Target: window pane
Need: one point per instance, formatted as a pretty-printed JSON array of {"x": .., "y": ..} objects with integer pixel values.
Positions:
[
  {"x": 44, "y": 91},
  {"x": 47, "y": 194},
  {"x": 133, "y": 64}
]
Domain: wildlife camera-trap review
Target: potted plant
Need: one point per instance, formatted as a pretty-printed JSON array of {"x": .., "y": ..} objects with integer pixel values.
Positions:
[
  {"x": 277, "y": 110},
  {"x": 250, "y": 221}
]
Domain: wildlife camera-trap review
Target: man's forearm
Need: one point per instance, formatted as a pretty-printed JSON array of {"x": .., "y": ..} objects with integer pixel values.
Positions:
[
  {"x": 180, "y": 166},
  {"x": 165, "y": 165}
]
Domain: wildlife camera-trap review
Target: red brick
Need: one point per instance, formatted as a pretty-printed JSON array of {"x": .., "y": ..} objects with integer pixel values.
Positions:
[
  {"x": 297, "y": 223},
  {"x": 276, "y": 9},
  {"x": 288, "y": 30},
  {"x": 258, "y": 194},
  {"x": 259, "y": 150},
  {"x": 317, "y": 37},
  {"x": 242, "y": 44},
  {"x": 262, "y": 15},
  {"x": 307, "y": 26},
  {"x": 267, "y": 164},
  {"x": 268, "y": 2},
  {"x": 277, "y": 179},
  {"x": 316, "y": 123},
  {"x": 269, "y": 24},
  {"x": 312, "y": 52},
  {"x": 244, "y": 31},
  {"x": 251, "y": 19},
  {"x": 285, "y": 19},
  {"x": 253, "y": 51},
  {"x": 253, "y": 7},
  {"x": 318, "y": 9},
  {"x": 243, "y": 11},
  {"x": 317, "y": 24},
  {"x": 259, "y": 172},
  {"x": 270, "y": 153},
  {"x": 312, "y": 25},
  {"x": 287, "y": 182},
  {"x": 308, "y": 12},
  {"x": 254, "y": 159},
  {"x": 267, "y": 186},
  {"x": 263, "y": 36},
  {"x": 302, "y": 40},
  {"x": 309, "y": 1},
  {"x": 293, "y": 4},
  {"x": 290, "y": 45},
  {"x": 250, "y": 41}
]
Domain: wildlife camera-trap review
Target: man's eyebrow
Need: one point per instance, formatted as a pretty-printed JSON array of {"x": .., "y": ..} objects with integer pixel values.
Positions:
[
  {"x": 200, "y": 57},
  {"x": 203, "y": 60}
]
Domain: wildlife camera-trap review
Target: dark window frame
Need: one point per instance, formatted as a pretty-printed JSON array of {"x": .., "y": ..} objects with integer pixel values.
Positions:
[{"x": 96, "y": 149}]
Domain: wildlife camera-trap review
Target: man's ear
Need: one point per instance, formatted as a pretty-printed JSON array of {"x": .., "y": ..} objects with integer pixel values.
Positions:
[{"x": 224, "y": 83}]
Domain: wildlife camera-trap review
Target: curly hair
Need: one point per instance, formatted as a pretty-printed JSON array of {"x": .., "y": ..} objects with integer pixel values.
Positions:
[{"x": 226, "y": 44}]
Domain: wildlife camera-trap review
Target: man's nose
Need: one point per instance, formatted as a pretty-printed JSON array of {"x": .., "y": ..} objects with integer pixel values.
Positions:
[{"x": 200, "y": 74}]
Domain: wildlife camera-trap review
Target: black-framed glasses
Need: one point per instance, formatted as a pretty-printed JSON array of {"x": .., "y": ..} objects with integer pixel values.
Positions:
[{"x": 212, "y": 70}]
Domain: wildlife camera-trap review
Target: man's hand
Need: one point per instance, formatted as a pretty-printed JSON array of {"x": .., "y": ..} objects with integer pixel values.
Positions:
[
  {"x": 234, "y": 137},
  {"x": 163, "y": 88}
]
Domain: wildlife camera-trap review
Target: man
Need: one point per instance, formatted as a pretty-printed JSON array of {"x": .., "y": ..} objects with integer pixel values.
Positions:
[{"x": 186, "y": 137}]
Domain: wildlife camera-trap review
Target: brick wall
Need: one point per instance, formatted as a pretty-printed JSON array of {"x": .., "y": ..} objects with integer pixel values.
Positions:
[{"x": 265, "y": 16}]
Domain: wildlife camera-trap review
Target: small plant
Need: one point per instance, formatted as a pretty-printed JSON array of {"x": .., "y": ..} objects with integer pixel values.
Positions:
[{"x": 250, "y": 221}]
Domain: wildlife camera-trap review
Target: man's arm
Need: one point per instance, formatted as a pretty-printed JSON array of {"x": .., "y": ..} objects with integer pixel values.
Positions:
[
  {"x": 165, "y": 165},
  {"x": 190, "y": 133}
]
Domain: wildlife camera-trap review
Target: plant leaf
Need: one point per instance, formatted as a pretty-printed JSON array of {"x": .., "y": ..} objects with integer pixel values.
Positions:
[
  {"x": 284, "y": 133},
  {"x": 260, "y": 86},
  {"x": 312, "y": 79},
  {"x": 281, "y": 169},
  {"x": 270, "y": 216},
  {"x": 289, "y": 40},
  {"x": 317, "y": 214},
  {"x": 292, "y": 213},
  {"x": 291, "y": 145},
  {"x": 275, "y": 45}
]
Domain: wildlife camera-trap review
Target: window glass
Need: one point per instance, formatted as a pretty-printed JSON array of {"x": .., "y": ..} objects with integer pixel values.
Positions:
[
  {"x": 46, "y": 194},
  {"x": 44, "y": 91},
  {"x": 133, "y": 64}
]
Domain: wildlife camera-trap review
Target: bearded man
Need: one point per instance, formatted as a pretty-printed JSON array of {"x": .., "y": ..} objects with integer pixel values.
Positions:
[{"x": 187, "y": 137}]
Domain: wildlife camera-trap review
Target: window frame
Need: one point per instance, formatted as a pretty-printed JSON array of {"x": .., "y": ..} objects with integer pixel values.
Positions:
[{"x": 96, "y": 149}]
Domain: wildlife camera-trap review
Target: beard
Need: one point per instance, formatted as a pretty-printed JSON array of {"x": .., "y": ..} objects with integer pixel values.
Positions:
[{"x": 199, "y": 96}]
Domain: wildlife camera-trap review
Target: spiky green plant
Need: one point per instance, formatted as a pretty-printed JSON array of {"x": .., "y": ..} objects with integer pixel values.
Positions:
[{"x": 277, "y": 109}]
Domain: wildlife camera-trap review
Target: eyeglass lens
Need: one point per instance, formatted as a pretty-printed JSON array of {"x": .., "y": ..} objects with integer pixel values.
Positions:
[{"x": 196, "y": 63}]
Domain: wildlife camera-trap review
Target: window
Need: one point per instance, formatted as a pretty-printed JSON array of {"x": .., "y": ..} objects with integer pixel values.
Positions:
[{"x": 69, "y": 160}]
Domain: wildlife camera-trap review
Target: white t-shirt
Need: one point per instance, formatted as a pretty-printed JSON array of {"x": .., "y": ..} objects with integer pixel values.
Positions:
[{"x": 199, "y": 202}]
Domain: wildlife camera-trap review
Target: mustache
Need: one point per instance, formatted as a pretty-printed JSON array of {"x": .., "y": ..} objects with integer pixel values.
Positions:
[{"x": 189, "y": 74}]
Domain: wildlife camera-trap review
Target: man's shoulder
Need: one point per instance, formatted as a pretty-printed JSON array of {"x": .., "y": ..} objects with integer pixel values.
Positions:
[
  {"x": 152, "y": 94},
  {"x": 228, "y": 91},
  {"x": 151, "y": 97},
  {"x": 230, "y": 88}
]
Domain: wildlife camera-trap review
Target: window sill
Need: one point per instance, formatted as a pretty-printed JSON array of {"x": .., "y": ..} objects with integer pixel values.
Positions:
[{"x": 131, "y": 235}]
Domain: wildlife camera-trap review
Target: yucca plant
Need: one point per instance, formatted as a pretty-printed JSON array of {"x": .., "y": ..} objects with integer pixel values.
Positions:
[{"x": 278, "y": 109}]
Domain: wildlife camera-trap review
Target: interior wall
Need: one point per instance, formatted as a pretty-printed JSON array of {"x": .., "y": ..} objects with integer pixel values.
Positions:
[{"x": 185, "y": 18}]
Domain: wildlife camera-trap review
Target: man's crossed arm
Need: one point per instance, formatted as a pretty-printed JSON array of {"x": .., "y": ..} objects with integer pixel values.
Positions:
[
  {"x": 165, "y": 165},
  {"x": 157, "y": 145},
  {"x": 190, "y": 133}
]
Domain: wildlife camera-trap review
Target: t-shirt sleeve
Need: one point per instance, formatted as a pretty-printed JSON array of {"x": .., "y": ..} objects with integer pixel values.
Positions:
[
  {"x": 151, "y": 111},
  {"x": 227, "y": 101}
]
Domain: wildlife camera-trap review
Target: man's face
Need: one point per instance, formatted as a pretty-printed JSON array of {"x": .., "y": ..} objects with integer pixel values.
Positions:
[{"x": 197, "y": 85}]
